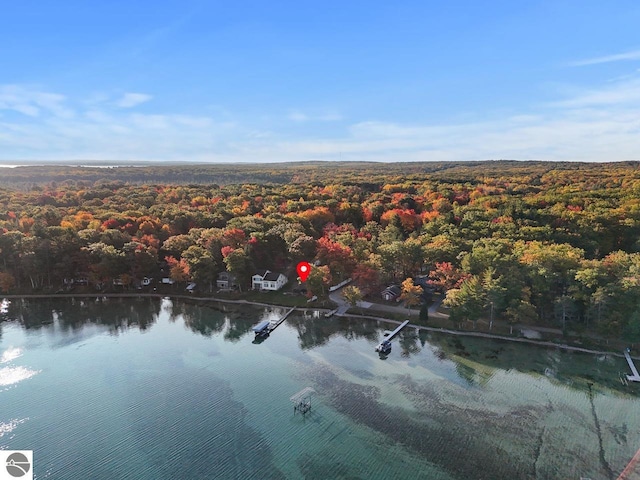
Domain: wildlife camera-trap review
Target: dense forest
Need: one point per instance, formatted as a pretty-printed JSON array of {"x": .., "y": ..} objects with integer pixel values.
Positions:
[
  {"x": 224, "y": 174},
  {"x": 533, "y": 242}
]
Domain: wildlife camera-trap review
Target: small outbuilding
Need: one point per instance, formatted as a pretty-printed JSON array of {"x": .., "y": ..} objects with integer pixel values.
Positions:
[
  {"x": 262, "y": 328},
  {"x": 391, "y": 293}
]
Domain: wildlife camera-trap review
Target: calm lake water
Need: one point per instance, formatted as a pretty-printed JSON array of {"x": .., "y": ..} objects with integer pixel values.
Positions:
[{"x": 159, "y": 389}]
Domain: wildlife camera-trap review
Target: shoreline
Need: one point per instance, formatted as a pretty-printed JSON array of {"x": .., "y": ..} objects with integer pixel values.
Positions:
[
  {"x": 152, "y": 295},
  {"x": 541, "y": 343}
]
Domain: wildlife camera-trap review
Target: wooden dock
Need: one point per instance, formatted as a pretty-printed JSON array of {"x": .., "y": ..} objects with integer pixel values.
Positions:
[
  {"x": 397, "y": 330},
  {"x": 388, "y": 338},
  {"x": 635, "y": 377},
  {"x": 276, "y": 323}
]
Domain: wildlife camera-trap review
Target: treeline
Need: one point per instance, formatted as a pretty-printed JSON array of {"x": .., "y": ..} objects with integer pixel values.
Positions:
[
  {"x": 555, "y": 244},
  {"x": 376, "y": 174}
]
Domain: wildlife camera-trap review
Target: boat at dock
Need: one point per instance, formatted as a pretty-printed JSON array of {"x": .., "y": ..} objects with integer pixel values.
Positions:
[
  {"x": 384, "y": 347},
  {"x": 265, "y": 327},
  {"x": 262, "y": 329}
]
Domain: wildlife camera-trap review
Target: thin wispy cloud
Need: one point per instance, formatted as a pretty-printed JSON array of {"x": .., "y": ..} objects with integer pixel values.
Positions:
[
  {"x": 624, "y": 92},
  {"x": 33, "y": 102},
  {"x": 129, "y": 100},
  {"x": 602, "y": 124},
  {"x": 574, "y": 136},
  {"x": 298, "y": 116},
  {"x": 618, "y": 57},
  {"x": 103, "y": 132}
]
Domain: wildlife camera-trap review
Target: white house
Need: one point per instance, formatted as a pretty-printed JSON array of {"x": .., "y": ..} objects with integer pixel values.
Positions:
[{"x": 268, "y": 281}]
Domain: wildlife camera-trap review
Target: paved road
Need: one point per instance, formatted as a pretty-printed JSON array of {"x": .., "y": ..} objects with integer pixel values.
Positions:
[
  {"x": 343, "y": 306},
  {"x": 336, "y": 297}
]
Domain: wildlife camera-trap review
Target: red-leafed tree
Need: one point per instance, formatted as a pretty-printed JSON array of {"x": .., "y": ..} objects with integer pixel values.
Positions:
[
  {"x": 407, "y": 219},
  {"x": 446, "y": 276},
  {"x": 179, "y": 269},
  {"x": 234, "y": 237},
  {"x": 366, "y": 277},
  {"x": 318, "y": 217},
  {"x": 338, "y": 257},
  {"x": 109, "y": 224},
  {"x": 151, "y": 241}
]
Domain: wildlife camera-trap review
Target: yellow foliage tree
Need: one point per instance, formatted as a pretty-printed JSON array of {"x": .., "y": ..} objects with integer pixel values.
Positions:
[{"x": 410, "y": 293}]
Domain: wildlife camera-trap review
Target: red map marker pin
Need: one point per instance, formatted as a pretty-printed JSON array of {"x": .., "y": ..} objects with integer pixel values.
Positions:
[{"x": 304, "y": 269}]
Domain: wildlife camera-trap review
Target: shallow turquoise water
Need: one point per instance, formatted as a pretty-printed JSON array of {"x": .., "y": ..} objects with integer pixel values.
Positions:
[{"x": 155, "y": 389}]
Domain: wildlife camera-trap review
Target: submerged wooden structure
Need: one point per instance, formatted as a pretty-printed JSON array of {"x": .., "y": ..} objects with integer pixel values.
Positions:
[{"x": 302, "y": 400}]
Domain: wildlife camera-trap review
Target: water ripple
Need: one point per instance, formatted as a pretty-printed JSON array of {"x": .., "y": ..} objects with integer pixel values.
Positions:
[
  {"x": 10, "y": 426},
  {"x": 10, "y": 354},
  {"x": 13, "y": 375}
]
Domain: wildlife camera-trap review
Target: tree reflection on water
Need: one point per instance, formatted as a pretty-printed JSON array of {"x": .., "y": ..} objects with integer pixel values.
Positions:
[
  {"x": 571, "y": 369},
  {"x": 314, "y": 331},
  {"x": 474, "y": 358},
  {"x": 72, "y": 314},
  {"x": 408, "y": 341},
  {"x": 200, "y": 319}
]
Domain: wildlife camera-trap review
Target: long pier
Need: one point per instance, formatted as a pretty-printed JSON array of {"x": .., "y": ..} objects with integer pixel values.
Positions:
[
  {"x": 635, "y": 377},
  {"x": 276, "y": 323},
  {"x": 385, "y": 346},
  {"x": 397, "y": 330}
]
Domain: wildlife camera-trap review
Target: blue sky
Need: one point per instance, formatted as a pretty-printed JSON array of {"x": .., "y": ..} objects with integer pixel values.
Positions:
[{"x": 251, "y": 81}]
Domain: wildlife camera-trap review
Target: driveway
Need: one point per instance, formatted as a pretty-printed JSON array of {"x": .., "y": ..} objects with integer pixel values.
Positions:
[
  {"x": 343, "y": 306},
  {"x": 336, "y": 297}
]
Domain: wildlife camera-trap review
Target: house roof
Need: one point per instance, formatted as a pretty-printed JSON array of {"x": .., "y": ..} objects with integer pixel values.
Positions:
[
  {"x": 393, "y": 289},
  {"x": 271, "y": 276},
  {"x": 263, "y": 274}
]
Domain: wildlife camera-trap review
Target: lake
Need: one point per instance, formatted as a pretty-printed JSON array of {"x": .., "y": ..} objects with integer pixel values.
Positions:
[{"x": 152, "y": 388}]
